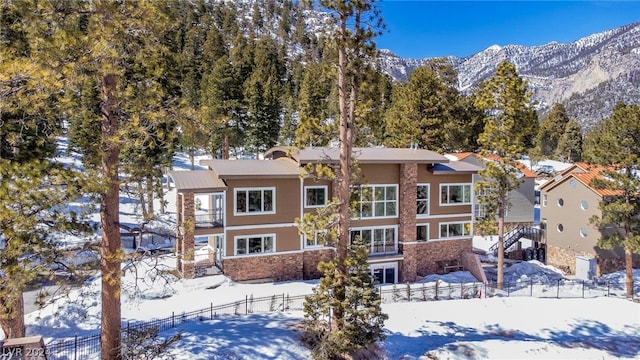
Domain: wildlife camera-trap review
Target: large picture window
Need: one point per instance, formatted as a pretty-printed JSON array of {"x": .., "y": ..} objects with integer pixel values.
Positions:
[
  {"x": 422, "y": 200},
  {"x": 315, "y": 196},
  {"x": 255, "y": 244},
  {"x": 379, "y": 240},
  {"x": 376, "y": 201},
  {"x": 255, "y": 201},
  {"x": 455, "y": 194},
  {"x": 455, "y": 229}
]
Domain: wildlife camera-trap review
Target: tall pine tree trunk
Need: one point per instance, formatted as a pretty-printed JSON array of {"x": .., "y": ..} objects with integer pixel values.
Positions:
[
  {"x": 628, "y": 258},
  {"x": 141, "y": 198},
  {"x": 343, "y": 179},
  {"x": 150, "y": 187},
  {"x": 12, "y": 316},
  {"x": 109, "y": 216},
  {"x": 500, "y": 246}
]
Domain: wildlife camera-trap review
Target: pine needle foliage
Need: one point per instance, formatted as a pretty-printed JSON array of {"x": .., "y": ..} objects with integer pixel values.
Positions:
[
  {"x": 615, "y": 143},
  {"x": 363, "y": 320}
]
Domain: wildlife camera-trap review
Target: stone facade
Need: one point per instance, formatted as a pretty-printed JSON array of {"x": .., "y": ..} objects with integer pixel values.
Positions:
[
  {"x": 407, "y": 217},
  {"x": 276, "y": 267},
  {"x": 565, "y": 260},
  {"x": 431, "y": 251},
  {"x": 311, "y": 259}
]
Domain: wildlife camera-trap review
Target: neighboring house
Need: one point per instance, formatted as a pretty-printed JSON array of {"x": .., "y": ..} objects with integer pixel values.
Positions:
[
  {"x": 420, "y": 214},
  {"x": 522, "y": 200},
  {"x": 568, "y": 201},
  {"x": 520, "y": 229}
]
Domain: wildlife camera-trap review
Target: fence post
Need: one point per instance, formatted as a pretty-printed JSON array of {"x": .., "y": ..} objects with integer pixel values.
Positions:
[
  {"x": 558, "y": 290},
  {"x": 211, "y": 311},
  {"x": 173, "y": 320},
  {"x": 246, "y": 304},
  {"x": 608, "y": 288},
  {"x": 283, "y": 302},
  {"x": 583, "y": 289},
  {"x": 75, "y": 348},
  {"x": 531, "y": 289}
]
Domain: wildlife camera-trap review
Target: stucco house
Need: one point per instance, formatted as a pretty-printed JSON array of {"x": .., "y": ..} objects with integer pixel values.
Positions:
[
  {"x": 419, "y": 214},
  {"x": 521, "y": 231},
  {"x": 568, "y": 201}
]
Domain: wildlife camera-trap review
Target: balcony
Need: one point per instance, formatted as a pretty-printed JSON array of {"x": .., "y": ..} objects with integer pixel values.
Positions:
[{"x": 209, "y": 219}]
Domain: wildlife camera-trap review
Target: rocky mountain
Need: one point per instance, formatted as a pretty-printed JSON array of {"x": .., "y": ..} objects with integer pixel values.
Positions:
[{"x": 589, "y": 75}]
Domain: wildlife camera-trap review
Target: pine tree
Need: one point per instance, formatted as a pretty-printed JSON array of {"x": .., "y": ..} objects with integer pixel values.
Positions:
[
  {"x": 363, "y": 321},
  {"x": 510, "y": 125},
  {"x": 570, "y": 143},
  {"x": 550, "y": 131},
  {"x": 422, "y": 111},
  {"x": 34, "y": 192},
  {"x": 315, "y": 125},
  {"x": 615, "y": 143},
  {"x": 356, "y": 25},
  {"x": 263, "y": 93}
]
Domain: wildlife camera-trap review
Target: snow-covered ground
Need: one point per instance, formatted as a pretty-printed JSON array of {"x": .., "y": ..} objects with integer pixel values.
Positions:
[{"x": 498, "y": 327}]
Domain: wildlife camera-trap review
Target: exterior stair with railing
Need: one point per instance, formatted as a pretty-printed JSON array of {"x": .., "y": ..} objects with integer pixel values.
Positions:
[{"x": 512, "y": 237}]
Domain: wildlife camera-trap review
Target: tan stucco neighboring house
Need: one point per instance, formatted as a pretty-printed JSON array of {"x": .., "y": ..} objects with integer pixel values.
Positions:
[
  {"x": 568, "y": 201},
  {"x": 421, "y": 213}
]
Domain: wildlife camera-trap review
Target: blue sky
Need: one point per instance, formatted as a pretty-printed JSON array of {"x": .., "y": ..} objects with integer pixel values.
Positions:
[{"x": 425, "y": 28}]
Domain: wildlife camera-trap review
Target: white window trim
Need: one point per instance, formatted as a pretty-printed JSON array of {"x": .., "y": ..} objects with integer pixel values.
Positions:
[
  {"x": 360, "y": 187},
  {"x": 246, "y": 190},
  {"x": 385, "y": 266},
  {"x": 326, "y": 194},
  {"x": 545, "y": 200},
  {"x": 457, "y": 203},
  {"x": 315, "y": 240},
  {"x": 373, "y": 228},
  {"x": 246, "y": 237},
  {"x": 427, "y": 239},
  {"x": 452, "y": 223},
  {"x": 428, "y": 201}
]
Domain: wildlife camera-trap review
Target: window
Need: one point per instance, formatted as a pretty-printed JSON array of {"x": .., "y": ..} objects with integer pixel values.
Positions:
[
  {"x": 455, "y": 194},
  {"x": 583, "y": 232},
  {"x": 377, "y": 201},
  {"x": 255, "y": 201},
  {"x": 560, "y": 228},
  {"x": 560, "y": 202},
  {"x": 379, "y": 240},
  {"x": 544, "y": 200},
  {"x": 384, "y": 273},
  {"x": 422, "y": 200},
  {"x": 319, "y": 239},
  {"x": 315, "y": 196},
  {"x": 422, "y": 232},
  {"x": 255, "y": 244},
  {"x": 584, "y": 205},
  {"x": 457, "y": 229}
]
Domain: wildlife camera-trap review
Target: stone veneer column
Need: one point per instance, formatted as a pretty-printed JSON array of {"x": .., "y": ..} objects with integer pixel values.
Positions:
[
  {"x": 407, "y": 217},
  {"x": 188, "y": 241}
]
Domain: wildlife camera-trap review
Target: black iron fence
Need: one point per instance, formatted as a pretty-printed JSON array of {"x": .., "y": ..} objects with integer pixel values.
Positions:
[{"x": 88, "y": 347}]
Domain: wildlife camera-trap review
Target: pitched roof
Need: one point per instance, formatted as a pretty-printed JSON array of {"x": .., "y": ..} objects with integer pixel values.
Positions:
[
  {"x": 198, "y": 181},
  {"x": 583, "y": 173},
  {"x": 365, "y": 155},
  {"x": 464, "y": 155},
  {"x": 237, "y": 169},
  {"x": 457, "y": 166}
]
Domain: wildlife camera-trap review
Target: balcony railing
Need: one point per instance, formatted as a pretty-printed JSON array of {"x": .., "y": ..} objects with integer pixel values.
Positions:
[{"x": 211, "y": 219}]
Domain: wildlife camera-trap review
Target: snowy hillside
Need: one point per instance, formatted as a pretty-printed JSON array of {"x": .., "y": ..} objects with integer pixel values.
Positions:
[{"x": 556, "y": 72}]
